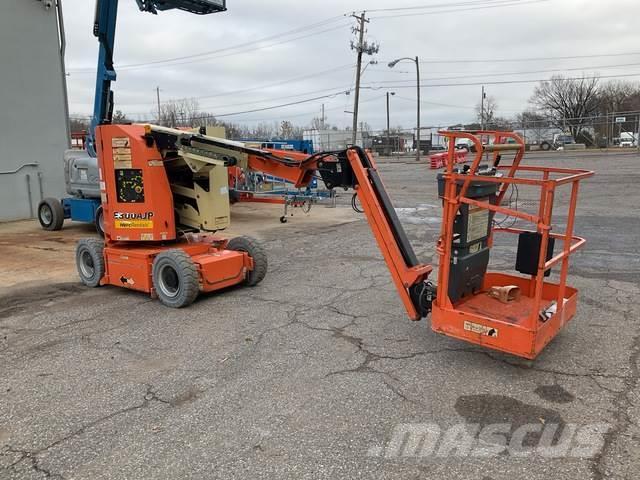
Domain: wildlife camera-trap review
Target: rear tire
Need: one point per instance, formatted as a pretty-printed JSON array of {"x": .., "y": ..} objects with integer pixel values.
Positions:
[
  {"x": 546, "y": 146},
  {"x": 51, "y": 214},
  {"x": 175, "y": 278},
  {"x": 100, "y": 221},
  {"x": 90, "y": 261},
  {"x": 256, "y": 252}
]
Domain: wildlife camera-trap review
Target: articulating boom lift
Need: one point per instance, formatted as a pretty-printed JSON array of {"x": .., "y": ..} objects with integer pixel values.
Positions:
[{"x": 164, "y": 192}]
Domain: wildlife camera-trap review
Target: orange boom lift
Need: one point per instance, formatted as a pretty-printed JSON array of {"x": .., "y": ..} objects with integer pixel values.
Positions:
[
  {"x": 164, "y": 193},
  {"x": 145, "y": 251}
]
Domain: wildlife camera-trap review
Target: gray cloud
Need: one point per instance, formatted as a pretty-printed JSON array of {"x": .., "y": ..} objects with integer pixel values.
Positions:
[{"x": 541, "y": 29}]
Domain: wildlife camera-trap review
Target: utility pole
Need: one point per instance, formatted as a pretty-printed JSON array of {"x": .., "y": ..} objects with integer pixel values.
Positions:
[
  {"x": 360, "y": 47},
  {"x": 388, "y": 135},
  {"x": 417, "y": 62},
  {"x": 418, "y": 87},
  {"x": 322, "y": 123},
  {"x": 158, "y": 97},
  {"x": 388, "y": 145},
  {"x": 484, "y": 95},
  {"x": 362, "y": 20}
]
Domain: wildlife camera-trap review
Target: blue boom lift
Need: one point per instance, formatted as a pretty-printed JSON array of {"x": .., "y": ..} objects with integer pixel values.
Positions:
[{"x": 81, "y": 167}]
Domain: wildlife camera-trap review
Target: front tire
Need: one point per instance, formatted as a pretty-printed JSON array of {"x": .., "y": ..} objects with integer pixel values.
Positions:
[
  {"x": 175, "y": 278},
  {"x": 256, "y": 252},
  {"x": 51, "y": 214},
  {"x": 90, "y": 261}
]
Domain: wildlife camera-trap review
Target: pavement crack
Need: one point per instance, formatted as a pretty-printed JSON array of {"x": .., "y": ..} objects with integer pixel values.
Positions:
[
  {"x": 32, "y": 458},
  {"x": 32, "y": 455}
]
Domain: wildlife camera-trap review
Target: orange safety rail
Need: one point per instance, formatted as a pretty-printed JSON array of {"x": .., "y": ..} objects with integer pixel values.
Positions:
[{"x": 515, "y": 328}]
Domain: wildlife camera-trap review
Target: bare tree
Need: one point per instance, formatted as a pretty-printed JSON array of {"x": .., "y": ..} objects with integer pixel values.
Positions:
[
  {"x": 618, "y": 96},
  {"x": 184, "y": 112},
  {"x": 263, "y": 131},
  {"x": 78, "y": 124},
  {"x": 317, "y": 124},
  {"x": 286, "y": 129},
  {"x": 490, "y": 108},
  {"x": 568, "y": 101},
  {"x": 534, "y": 125},
  {"x": 119, "y": 118}
]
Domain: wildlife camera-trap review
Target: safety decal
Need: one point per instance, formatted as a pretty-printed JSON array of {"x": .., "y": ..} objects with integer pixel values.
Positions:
[{"x": 481, "y": 329}]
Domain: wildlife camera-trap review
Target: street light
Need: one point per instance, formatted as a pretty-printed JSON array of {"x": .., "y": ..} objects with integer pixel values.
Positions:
[
  {"x": 417, "y": 62},
  {"x": 388, "y": 135}
]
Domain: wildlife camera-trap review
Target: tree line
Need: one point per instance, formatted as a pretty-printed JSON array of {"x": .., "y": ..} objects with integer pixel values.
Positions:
[{"x": 584, "y": 107}]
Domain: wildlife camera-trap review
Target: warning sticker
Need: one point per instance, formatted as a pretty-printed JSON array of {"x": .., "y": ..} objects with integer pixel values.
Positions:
[
  {"x": 121, "y": 151},
  {"x": 134, "y": 223},
  {"x": 120, "y": 142},
  {"x": 478, "y": 224},
  {"x": 481, "y": 329}
]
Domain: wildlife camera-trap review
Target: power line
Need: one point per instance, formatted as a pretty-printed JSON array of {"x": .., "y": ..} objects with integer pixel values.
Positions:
[
  {"x": 193, "y": 58},
  {"x": 439, "y": 5},
  {"x": 501, "y": 74},
  {"x": 264, "y": 86},
  {"x": 212, "y": 54},
  {"x": 529, "y": 59},
  {"x": 498, "y": 82},
  {"x": 297, "y": 115},
  {"x": 342, "y": 90},
  {"x": 274, "y": 106},
  {"x": 341, "y": 67},
  {"x": 413, "y": 100},
  {"x": 509, "y": 3},
  {"x": 410, "y": 86}
]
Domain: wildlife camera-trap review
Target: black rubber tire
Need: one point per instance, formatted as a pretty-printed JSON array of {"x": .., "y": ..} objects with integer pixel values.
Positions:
[
  {"x": 283, "y": 219},
  {"x": 546, "y": 146},
  {"x": 99, "y": 221},
  {"x": 175, "y": 278},
  {"x": 51, "y": 214},
  {"x": 90, "y": 261},
  {"x": 256, "y": 252}
]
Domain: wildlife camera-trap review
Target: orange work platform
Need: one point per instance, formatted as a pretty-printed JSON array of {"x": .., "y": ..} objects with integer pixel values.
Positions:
[{"x": 526, "y": 324}]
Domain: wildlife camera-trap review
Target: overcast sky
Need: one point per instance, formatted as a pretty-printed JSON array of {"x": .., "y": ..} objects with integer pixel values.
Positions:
[{"x": 266, "y": 53}]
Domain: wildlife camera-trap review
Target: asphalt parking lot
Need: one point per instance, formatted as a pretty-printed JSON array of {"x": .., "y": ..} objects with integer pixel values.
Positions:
[{"x": 309, "y": 374}]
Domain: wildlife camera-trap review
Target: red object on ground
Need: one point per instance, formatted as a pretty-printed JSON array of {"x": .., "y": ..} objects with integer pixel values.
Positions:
[{"x": 439, "y": 160}]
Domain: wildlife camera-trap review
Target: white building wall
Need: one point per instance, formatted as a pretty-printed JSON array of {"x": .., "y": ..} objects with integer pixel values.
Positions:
[{"x": 33, "y": 119}]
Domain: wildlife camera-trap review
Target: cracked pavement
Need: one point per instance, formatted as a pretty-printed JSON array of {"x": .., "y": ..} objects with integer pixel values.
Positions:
[{"x": 302, "y": 375}]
